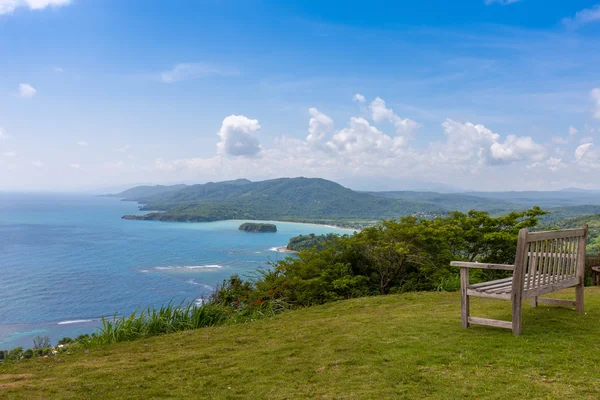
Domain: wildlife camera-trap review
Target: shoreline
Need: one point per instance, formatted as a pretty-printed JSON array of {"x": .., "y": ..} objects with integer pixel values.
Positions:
[{"x": 284, "y": 249}]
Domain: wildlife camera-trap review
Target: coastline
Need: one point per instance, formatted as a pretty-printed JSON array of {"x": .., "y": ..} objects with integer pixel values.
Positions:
[{"x": 284, "y": 249}]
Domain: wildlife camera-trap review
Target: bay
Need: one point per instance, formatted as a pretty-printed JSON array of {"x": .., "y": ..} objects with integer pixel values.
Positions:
[{"x": 68, "y": 259}]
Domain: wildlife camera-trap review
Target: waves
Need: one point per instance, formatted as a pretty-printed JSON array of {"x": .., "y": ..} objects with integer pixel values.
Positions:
[
  {"x": 190, "y": 267},
  {"x": 75, "y": 321}
]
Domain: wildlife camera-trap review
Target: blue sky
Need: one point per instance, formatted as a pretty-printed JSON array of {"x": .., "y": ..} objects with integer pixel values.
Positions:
[{"x": 476, "y": 94}]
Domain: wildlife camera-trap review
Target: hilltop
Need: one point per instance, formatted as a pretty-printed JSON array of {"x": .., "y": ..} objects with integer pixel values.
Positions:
[
  {"x": 396, "y": 346},
  {"x": 291, "y": 199},
  {"x": 323, "y": 201}
]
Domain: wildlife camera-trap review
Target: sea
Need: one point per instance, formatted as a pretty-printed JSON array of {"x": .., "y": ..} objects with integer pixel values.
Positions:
[{"x": 66, "y": 260}]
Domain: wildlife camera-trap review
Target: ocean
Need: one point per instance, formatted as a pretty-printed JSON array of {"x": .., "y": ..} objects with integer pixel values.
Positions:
[{"x": 67, "y": 260}]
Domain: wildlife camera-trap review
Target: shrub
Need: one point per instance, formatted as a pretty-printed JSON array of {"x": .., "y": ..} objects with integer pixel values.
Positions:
[
  {"x": 28, "y": 353},
  {"x": 41, "y": 342}
]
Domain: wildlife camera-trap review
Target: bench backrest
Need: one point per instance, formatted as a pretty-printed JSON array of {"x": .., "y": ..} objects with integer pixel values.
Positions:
[{"x": 551, "y": 258}]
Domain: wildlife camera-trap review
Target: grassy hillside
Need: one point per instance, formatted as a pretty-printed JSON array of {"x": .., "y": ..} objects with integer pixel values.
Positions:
[
  {"x": 387, "y": 347},
  {"x": 289, "y": 199}
]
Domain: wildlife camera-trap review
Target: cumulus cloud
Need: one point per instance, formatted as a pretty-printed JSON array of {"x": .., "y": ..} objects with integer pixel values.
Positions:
[
  {"x": 501, "y": 2},
  {"x": 26, "y": 90},
  {"x": 38, "y": 164},
  {"x": 587, "y": 156},
  {"x": 75, "y": 166},
  {"x": 573, "y": 131},
  {"x": 470, "y": 142},
  {"x": 361, "y": 149},
  {"x": 380, "y": 113},
  {"x": 3, "y": 135},
  {"x": 583, "y": 17},
  {"x": 359, "y": 98},
  {"x": 8, "y": 6},
  {"x": 595, "y": 95},
  {"x": 123, "y": 149},
  {"x": 82, "y": 143},
  {"x": 517, "y": 149},
  {"x": 359, "y": 137},
  {"x": 318, "y": 126},
  {"x": 182, "y": 72},
  {"x": 237, "y": 137},
  {"x": 10, "y": 154}
]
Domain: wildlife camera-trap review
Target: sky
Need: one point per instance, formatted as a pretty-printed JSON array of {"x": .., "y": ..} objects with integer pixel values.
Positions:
[{"x": 380, "y": 95}]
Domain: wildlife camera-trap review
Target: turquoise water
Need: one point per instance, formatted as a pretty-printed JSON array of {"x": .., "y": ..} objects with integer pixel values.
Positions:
[{"x": 67, "y": 260}]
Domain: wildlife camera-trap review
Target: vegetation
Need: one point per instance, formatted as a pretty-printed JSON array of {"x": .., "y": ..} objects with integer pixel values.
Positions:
[
  {"x": 257, "y": 227},
  {"x": 593, "y": 222},
  {"x": 302, "y": 242},
  {"x": 398, "y": 346},
  {"x": 278, "y": 199}
]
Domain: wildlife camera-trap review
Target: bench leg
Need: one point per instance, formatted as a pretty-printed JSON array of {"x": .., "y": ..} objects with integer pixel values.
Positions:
[
  {"x": 534, "y": 301},
  {"x": 517, "y": 306},
  {"x": 464, "y": 298},
  {"x": 579, "y": 298}
]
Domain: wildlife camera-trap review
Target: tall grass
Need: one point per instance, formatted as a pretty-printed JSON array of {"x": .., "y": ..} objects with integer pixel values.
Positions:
[{"x": 152, "y": 322}]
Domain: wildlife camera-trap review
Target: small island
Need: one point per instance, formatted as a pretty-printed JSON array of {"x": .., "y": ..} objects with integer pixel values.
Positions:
[{"x": 254, "y": 227}]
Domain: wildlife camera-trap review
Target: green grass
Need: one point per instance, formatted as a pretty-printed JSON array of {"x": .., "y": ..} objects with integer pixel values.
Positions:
[{"x": 397, "y": 346}]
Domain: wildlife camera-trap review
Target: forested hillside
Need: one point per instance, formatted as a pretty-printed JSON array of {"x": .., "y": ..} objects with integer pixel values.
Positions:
[
  {"x": 593, "y": 222},
  {"x": 291, "y": 199},
  {"x": 320, "y": 200}
]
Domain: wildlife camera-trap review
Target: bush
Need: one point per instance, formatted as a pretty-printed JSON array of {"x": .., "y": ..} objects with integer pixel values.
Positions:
[
  {"x": 41, "y": 342},
  {"x": 28, "y": 353}
]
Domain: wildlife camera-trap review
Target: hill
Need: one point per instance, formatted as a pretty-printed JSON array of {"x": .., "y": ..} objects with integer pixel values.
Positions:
[
  {"x": 593, "y": 222},
  {"x": 454, "y": 201},
  {"x": 398, "y": 346},
  {"x": 139, "y": 192},
  {"x": 291, "y": 199}
]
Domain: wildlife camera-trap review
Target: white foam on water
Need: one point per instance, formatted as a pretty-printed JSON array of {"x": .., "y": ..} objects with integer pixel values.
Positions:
[
  {"x": 212, "y": 266},
  {"x": 76, "y": 321}
]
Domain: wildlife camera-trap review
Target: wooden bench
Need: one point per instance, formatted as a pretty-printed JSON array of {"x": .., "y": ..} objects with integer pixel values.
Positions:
[{"x": 545, "y": 262}]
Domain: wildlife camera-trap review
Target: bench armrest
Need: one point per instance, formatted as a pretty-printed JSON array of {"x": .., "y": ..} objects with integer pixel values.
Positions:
[{"x": 463, "y": 264}]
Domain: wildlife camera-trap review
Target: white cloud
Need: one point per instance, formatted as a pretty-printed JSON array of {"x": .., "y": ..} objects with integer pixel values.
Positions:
[
  {"x": 123, "y": 149},
  {"x": 380, "y": 113},
  {"x": 318, "y": 126},
  {"x": 26, "y": 90},
  {"x": 517, "y": 149},
  {"x": 595, "y": 95},
  {"x": 501, "y": 2},
  {"x": 38, "y": 164},
  {"x": 182, "y": 72},
  {"x": 361, "y": 150},
  {"x": 3, "y": 135},
  {"x": 82, "y": 143},
  {"x": 75, "y": 166},
  {"x": 583, "y": 17},
  {"x": 573, "y": 131},
  {"x": 554, "y": 164},
  {"x": 237, "y": 137},
  {"x": 587, "y": 156},
  {"x": 359, "y": 98},
  {"x": 58, "y": 70},
  {"x": 10, "y": 154},
  {"x": 359, "y": 137},
  {"x": 8, "y": 6}
]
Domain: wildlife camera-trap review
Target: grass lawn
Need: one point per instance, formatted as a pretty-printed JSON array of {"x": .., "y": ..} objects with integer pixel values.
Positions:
[{"x": 398, "y": 346}]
